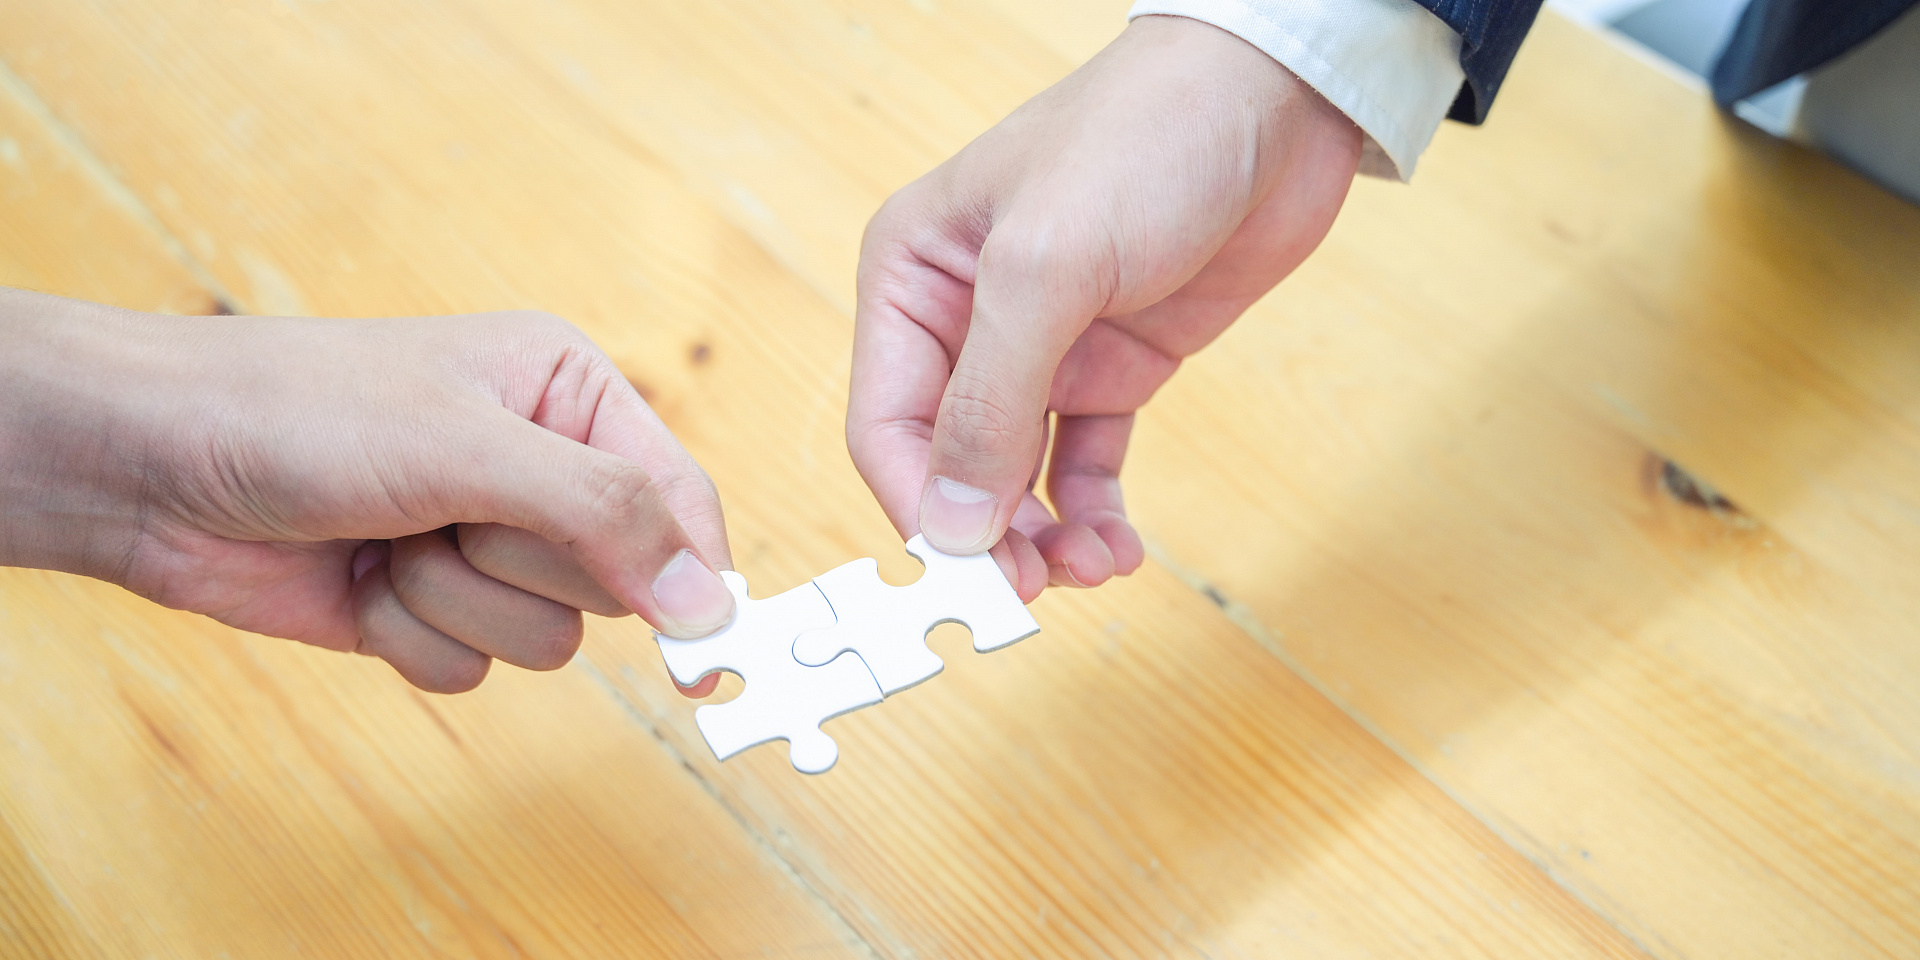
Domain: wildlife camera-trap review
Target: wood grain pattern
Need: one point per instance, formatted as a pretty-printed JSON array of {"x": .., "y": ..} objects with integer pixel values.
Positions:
[
  {"x": 1426, "y": 471},
  {"x": 1145, "y": 781},
  {"x": 1448, "y": 507},
  {"x": 64, "y": 230},
  {"x": 180, "y": 789}
]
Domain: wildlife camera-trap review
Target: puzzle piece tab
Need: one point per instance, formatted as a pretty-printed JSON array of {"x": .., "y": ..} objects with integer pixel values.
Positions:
[
  {"x": 888, "y": 625},
  {"x": 784, "y": 699}
]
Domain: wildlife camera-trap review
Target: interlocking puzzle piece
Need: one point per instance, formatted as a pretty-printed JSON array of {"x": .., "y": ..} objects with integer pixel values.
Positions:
[
  {"x": 784, "y": 699},
  {"x": 888, "y": 625}
]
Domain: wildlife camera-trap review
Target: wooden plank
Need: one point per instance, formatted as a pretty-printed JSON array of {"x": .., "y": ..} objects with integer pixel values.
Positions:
[
  {"x": 793, "y": 118},
  {"x": 33, "y": 920},
  {"x": 1430, "y": 466},
  {"x": 62, "y": 230},
  {"x": 189, "y": 792},
  {"x": 186, "y": 790},
  {"x": 1141, "y": 780},
  {"x": 1074, "y": 29}
]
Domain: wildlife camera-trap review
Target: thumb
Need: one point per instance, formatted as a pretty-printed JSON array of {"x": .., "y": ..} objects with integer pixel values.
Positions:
[
  {"x": 1033, "y": 296},
  {"x": 609, "y": 511}
]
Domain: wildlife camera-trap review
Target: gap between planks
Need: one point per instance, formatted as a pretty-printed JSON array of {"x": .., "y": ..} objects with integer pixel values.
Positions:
[
  {"x": 1246, "y": 621},
  {"x": 110, "y": 186},
  {"x": 849, "y": 935}
]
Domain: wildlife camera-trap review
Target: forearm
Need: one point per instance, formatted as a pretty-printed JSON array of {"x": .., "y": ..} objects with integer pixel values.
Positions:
[{"x": 75, "y": 448}]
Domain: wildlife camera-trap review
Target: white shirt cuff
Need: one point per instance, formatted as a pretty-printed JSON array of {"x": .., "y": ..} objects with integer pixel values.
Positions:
[{"x": 1389, "y": 65}]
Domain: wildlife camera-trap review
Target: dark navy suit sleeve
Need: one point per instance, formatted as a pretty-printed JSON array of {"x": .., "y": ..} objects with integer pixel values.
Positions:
[
  {"x": 1490, "y": 34},
  {"x": 1774, "y": 40},
  {"x": 1777, "y": 39}
]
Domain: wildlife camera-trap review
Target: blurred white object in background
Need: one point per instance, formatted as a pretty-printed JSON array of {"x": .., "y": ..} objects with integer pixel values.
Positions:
[{"x": 1863, "y": 108}]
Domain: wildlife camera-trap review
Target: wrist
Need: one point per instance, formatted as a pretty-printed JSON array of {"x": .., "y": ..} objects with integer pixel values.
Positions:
[
  {"x": 1216, "y": 57},
  {"x": 75, "y": 449},
  {"x": 1247, "y": 84}
]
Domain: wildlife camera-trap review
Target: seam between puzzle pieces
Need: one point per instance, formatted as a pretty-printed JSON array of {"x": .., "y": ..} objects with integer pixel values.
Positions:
[{"x": 884, "y": 694}]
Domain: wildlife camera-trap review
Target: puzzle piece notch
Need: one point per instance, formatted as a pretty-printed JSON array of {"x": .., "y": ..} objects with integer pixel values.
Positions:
[
  {"x": 784, "y": 699},
  {"x": 887, "y": 626}
]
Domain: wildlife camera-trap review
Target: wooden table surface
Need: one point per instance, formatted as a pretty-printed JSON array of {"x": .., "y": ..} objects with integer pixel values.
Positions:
[{"x": 1430, "y": 659}]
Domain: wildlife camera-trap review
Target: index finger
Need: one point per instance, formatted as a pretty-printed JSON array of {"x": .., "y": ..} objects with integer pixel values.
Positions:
[
  {"x": 910, "y": 321},
  {"x": 899, "y": 374},
  {"x": 537, "y": 565}
]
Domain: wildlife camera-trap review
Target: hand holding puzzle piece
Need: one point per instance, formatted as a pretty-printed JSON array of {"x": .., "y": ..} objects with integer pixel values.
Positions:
[{"x": 838, "y": 643}]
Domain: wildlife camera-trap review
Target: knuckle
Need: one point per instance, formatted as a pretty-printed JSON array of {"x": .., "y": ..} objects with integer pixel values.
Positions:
[
  {"x": 897, "y": 210},
  {"x": 882, "y": 224},
  {"x": 481, "y": 544},
  {"x": 690, "y": 496},
  {"x": 977, "y": 421},
  {"x": 554, "y": 646},
  {"x": 1024, "y": 250},
  {"x": 915, "y": 215},
  {"x": 370, "y": 618},
  {"x": 623, "y": 494},
  {"x": 1069, "y": 265},
  {"x": 413, "y": 569},
  {"x": 549, "y": 330},
  {"x": 690, "y": 489}
]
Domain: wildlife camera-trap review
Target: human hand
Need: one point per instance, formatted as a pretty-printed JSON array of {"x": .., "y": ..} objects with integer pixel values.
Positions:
[
  {"x": 1064, "y": 263},
  {"x": 255, "y": 469}
]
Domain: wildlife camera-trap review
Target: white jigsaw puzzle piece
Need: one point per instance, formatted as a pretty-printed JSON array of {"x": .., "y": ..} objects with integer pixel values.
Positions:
[
  {"x": 784, "y": 699},
  {"x": 888, "y": 625}
]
